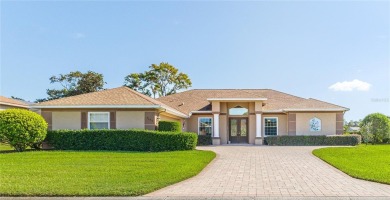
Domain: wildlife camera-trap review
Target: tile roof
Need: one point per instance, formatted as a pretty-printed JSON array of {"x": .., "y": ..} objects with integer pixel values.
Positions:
[
  {"x": 116, "y": 96},
  {"x": 12, "y": 102},
  {"x": 196, "y": 100}
]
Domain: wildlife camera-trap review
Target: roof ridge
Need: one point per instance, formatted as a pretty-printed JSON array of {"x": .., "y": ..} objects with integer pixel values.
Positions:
[{"x": 150, "y": 99}]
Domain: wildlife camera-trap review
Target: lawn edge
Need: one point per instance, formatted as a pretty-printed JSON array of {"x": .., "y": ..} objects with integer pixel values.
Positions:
[{"x": 344, "y": 172}]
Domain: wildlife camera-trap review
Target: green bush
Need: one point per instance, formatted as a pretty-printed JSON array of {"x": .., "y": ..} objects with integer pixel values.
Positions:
[
  {"x": 375, "y": 128},
  {"x": 22, "y": 128},
  {"x": 336, "y": 140},
  {"x": 121, "y": 140},
  {"x": 204, "y": 140},
  {"x": 169, "y": 126}
]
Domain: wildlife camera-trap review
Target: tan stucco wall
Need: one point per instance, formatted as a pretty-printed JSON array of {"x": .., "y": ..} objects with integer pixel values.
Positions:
[
  {"x": 328, "y": 123},
  {"x": 130, "y": 119},
  {"x": 282, "y": 123},
  {"x": 169, "y": 118},
  {"x": 252, "y": 129},
  {"x": 66, "y": 120},
  {"x": 192, "y": 122}
]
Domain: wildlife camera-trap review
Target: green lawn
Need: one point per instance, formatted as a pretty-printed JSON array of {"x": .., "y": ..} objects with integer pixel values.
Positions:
[
  {"x": 371, "y": 162},
  {"x": 5, "y": 147},
  {"x": 71, "y": 173}
]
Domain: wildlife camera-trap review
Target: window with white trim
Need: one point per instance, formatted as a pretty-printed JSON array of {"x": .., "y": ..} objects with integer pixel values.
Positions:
[
  {"x": 98, "y": 120},
  {"x": 205, "y": 126},
  {"x": 270, "y": 126}
]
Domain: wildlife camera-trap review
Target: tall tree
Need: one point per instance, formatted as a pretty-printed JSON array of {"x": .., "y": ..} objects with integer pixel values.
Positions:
[
  {"x": 74, "y": 83},
  {"x": 161, "y": 80}
]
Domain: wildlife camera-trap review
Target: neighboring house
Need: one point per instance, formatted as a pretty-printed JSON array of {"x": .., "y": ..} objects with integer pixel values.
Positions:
[
  {"x": 228, "y": 115},
  {"x": 7, "y": 103},
  {"x": 354, "y": 130}
]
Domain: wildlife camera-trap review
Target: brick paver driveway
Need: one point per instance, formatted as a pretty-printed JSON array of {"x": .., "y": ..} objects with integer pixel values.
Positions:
[{"x": 251, "y": 171}]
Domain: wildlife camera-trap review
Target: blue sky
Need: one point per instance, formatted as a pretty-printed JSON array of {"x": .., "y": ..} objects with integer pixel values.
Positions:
[{"x": 333, "y": 51}]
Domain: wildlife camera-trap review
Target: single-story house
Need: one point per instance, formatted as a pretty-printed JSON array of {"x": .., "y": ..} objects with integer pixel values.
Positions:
[
  {"x": 7, "y": 103},
  {"x": 228, "y": 115}
]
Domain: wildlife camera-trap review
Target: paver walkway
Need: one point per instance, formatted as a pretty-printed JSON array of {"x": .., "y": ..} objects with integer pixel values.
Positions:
[{"x": 263, "y": 171}]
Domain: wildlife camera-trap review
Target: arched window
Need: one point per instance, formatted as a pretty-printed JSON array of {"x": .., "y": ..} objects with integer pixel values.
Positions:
[
  {"x": 315, "y": 124},
  {"x": 238, "y": 110}
]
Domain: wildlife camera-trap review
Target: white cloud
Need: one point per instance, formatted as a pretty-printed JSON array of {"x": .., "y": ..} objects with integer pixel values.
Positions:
[
  {"x": 350, "y": 86},
  {"x": 78, "y": 35}
]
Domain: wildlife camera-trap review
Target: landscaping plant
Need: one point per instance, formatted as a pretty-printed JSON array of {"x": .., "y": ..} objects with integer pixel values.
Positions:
[
  {"x": 169, "y": 126},
  {"x": 22, "y": 128},
  {"x": 375, "y": 128}
]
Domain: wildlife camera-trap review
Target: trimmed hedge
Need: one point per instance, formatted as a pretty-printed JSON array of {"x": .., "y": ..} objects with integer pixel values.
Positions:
[
  {"x": 336, "y": 140},
  {"x": 121, "y": 140},
  {"x": 169, "y": 126},
  {"x": 204, "y": 140}
]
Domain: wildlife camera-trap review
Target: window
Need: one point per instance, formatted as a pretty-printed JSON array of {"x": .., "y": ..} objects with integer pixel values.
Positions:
[
  {"x": 270, "y": 126},
  {"x": 99, "y": 120},
  {"x": 238, "y": 110},
  {"x": 315, "y": 124},
  {"x": 205, "y": 126}
]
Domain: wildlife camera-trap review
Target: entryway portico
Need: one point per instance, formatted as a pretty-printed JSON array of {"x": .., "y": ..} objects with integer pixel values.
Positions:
[{"x": 237, "y": 120}]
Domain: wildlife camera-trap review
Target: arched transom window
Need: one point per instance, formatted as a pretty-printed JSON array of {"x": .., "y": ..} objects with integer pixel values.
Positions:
[{"x": 238, "y": 110}]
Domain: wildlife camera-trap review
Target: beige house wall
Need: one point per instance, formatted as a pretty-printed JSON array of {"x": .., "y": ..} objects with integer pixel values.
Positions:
[
  {"x": 328, "y": 123},
  {"x": 130, "y": 119},
  {"x": 66, "y": 120},
  {"x": 282, "y": 123},
  {"x": 252, "y": 129},
  {"x": 192, "y": 122}
]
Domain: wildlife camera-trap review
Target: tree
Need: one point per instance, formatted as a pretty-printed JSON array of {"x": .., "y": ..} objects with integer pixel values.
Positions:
[
  {"x": 74, "y": 83},
  {"x": 377, "y": 125},
  {"x": 161, "y": 80},
  {"x": 17, "y": 98}
]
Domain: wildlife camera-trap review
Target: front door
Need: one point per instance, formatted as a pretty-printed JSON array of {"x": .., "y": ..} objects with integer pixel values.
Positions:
[{"x": 238, "y": 128}]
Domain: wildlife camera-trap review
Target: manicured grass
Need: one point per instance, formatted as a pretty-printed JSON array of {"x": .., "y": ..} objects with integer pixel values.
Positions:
[
  {"x": 71, "y": 173},
  {"x": 371, "y": 162},
  {"x": 5, "y": 147}
]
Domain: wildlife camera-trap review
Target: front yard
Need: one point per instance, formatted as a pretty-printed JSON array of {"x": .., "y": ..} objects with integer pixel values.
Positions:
[
  {"x": 96, "y": 173},
  {"x": 368, "y": 162}
]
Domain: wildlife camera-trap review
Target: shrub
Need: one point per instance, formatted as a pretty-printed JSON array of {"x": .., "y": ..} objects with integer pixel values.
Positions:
[
  {"x": 169, "y": 126},
  {"x": 204, "y": 140},
  {"x": 336, "y": 140},
  {"x": 122, "y": 140},
  {"x": 375, "y": 128},
  {"x": 22, "y": 128}
]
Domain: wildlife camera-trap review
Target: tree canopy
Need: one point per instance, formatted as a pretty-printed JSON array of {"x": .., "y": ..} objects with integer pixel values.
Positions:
[
  {"x": 74, "y": 83},
  {"x": 161, "y": 80},
  {"x": 376, "y": 128}
]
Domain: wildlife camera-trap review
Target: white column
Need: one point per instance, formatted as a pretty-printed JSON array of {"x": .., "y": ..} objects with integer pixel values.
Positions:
[
  {"x": 216, "y": 125},
  {"x": 258, "y": 125}
]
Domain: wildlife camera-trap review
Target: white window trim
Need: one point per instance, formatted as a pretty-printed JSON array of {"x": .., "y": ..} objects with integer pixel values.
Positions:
[
  {"x": 212, "y": 124},
  {"x": 89, "y": 117},
  {"x": 277, "y": 125}
]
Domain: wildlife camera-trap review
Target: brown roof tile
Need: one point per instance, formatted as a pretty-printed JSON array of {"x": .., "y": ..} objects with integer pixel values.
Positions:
[
  {"x": 12, "y": 102},
  {"x": 196, "y": 100},
  {"x": 116, "y": 96}
]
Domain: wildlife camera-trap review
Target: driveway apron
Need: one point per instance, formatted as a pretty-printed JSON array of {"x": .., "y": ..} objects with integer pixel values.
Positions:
[{"x": 264, "y": 171}]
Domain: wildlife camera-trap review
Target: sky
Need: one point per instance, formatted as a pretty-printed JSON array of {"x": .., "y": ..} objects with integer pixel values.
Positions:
[{"x": 337, "y": 52}]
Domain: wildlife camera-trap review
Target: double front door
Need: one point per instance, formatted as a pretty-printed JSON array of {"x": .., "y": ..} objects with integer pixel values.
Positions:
[{"x": 238, "y": 129}]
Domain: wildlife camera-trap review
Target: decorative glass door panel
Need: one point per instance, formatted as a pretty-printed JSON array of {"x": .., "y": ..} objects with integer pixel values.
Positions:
[{"x": 238, "y": 129}]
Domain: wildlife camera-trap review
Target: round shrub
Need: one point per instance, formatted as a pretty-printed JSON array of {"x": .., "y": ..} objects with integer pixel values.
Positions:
[
  {"x": 375, "y": 128},
  {"x": 169, "y": 126},
  {"x": 22, "y": 128}
]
